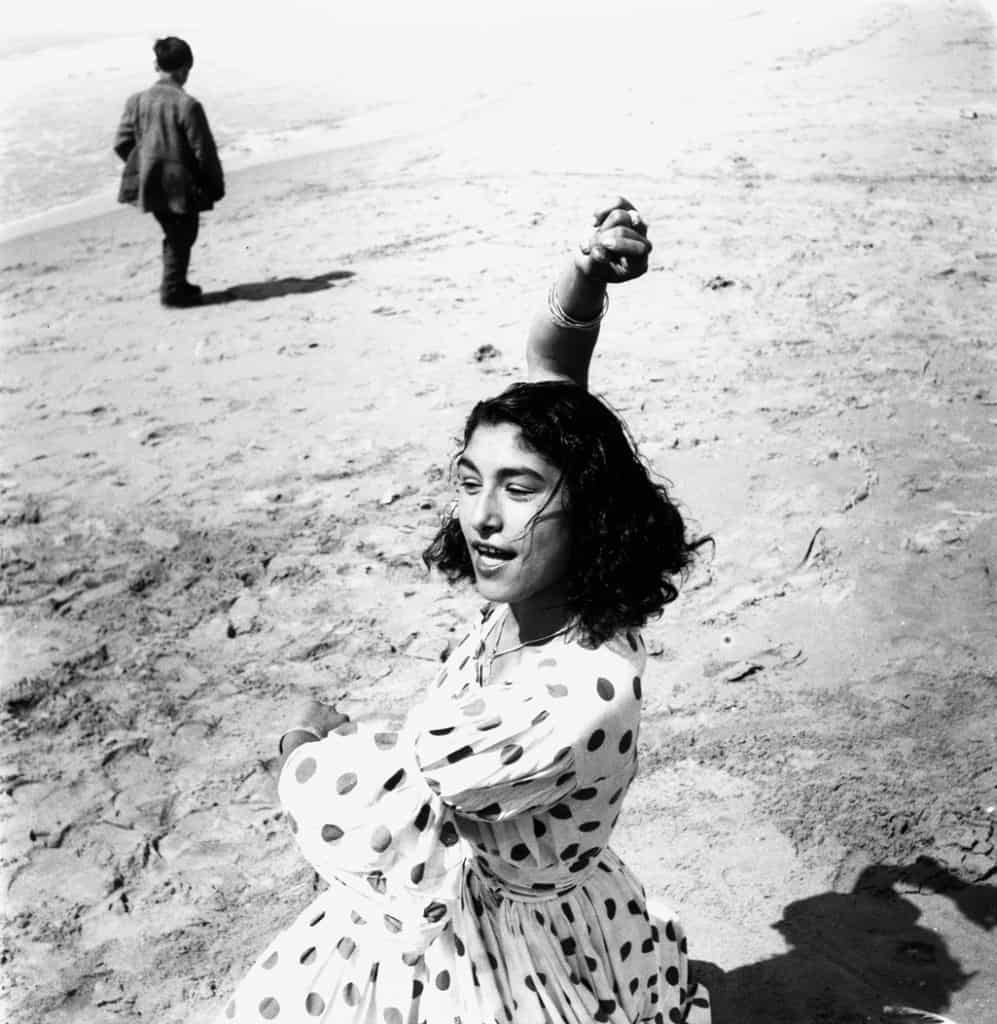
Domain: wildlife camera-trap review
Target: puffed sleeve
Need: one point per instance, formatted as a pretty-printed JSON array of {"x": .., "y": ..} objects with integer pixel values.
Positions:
[
  {"x": 364, "y": 817},
  {"x": 493, "y": 754},
  {"x": 503, "y": 750}
]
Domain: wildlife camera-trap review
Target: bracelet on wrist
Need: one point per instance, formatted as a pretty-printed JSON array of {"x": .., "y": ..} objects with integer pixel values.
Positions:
[{"x": 562, "y": 319}]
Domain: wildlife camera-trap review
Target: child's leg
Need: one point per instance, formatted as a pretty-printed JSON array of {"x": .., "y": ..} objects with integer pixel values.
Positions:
[{"x": 179, "y": 234}]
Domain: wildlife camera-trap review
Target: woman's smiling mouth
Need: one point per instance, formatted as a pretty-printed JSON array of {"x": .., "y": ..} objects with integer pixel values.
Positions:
[{"x": 489, "y": 557}]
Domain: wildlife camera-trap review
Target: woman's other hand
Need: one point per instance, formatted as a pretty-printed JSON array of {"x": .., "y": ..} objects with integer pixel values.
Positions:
[
  {"x": 323, "y": 718},
  {"x": 619, "y": 247},
  {"x": 311, "y": 721}
]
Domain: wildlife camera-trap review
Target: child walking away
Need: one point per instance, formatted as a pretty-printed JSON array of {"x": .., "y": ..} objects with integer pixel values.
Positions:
[{"x": 172, "y": 168}]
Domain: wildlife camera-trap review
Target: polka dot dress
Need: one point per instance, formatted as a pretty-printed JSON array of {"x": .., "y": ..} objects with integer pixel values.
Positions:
[{"x": 470, "y": 877}]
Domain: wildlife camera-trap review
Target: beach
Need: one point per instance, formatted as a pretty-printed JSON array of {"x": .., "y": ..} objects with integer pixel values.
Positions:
[{"x": 208, "y": 514}]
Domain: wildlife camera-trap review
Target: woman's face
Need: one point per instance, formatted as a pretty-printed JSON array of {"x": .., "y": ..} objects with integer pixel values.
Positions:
[{"x": 512, "y": 514}]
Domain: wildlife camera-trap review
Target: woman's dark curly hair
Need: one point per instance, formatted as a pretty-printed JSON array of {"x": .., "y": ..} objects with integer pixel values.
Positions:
[{"x": 628, "y": 540}]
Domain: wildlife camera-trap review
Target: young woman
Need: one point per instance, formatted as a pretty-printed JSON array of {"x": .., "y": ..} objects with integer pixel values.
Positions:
[{"x": 470, "y": 876}]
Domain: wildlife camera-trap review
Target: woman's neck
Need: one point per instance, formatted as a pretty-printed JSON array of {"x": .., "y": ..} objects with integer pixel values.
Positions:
[{"x": 530, "y": 622}]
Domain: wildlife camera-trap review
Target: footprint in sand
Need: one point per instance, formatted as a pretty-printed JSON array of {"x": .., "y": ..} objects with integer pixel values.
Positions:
[
  {"x": 781, "y": 656},
  {"x": 151, "y": 437}
]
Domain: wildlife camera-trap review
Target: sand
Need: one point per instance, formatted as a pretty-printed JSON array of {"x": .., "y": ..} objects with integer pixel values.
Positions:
[{"x": 208, "y": 514}]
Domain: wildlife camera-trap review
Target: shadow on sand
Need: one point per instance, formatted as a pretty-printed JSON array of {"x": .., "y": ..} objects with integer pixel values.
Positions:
[
  {"x": 855, "y": 954},
  {"x": 260, "y": 291}
]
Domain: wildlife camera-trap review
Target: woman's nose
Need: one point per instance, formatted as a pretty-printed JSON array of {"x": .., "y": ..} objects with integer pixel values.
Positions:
[{"x": 485, "y": 515}]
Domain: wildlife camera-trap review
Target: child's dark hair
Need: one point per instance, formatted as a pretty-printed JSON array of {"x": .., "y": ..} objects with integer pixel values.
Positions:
[
  {"x": 628, "y": 539},
  {"x": 172, "y": 53}
]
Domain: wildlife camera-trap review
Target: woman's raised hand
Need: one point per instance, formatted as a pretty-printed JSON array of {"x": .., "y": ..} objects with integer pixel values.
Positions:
[
  {"x": 619, "y": 247},
  {"x": 563, "y": 335}
]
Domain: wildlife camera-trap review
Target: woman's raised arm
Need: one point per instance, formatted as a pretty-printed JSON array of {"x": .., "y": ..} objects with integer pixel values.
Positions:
[{"x": 562, "y": 337}]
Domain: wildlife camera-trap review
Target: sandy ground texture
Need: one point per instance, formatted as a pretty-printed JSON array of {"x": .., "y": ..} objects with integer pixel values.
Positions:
[{"x": 208, "y": 514}]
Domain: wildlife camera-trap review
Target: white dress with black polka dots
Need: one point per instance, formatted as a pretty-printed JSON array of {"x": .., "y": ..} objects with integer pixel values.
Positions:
[{"x": 470, "y": 880}]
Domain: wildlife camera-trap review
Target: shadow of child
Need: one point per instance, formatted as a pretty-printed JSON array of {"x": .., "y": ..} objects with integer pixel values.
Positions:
[{"x": 260, "y": 291}]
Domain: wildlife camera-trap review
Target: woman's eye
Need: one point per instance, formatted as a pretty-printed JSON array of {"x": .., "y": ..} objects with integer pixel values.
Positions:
[
  {"x": 520, "y": 492},
  {"x": 468, "y": 485}
]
